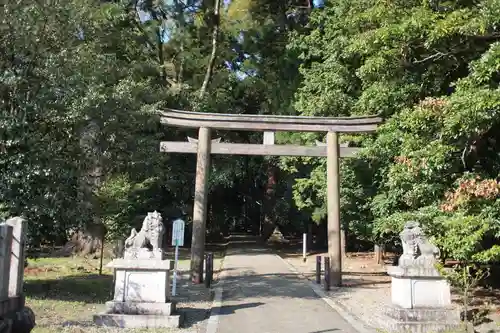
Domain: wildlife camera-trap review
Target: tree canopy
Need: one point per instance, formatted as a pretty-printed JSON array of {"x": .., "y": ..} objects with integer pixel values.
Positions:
[{"x": 80, "y": 82}]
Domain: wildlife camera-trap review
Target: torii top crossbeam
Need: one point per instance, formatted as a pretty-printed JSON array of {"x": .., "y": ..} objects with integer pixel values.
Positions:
[{"x": 254, "y": 122}]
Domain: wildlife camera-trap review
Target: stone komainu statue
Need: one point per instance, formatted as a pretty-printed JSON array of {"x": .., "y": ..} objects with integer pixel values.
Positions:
[
  {"x": 150, "y": 235},
  {"x": 417, "y": 250}
]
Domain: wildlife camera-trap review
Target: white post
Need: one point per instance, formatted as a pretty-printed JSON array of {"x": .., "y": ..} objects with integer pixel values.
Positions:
[
  {"x": 176, "y": 259},
  {"x": 304, "y": 247}
]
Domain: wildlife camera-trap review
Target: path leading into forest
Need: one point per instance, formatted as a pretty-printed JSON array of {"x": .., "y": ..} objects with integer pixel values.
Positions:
[{"x": 261, "y": 295}]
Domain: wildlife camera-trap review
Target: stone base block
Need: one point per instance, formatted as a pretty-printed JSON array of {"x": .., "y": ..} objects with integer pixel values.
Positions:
[
  {"x": 144, "y": 281},
  {"x": 423, "y": 320},
  {"x": 136, "y": 308},
  {"x": 420, "y": 292},
  {"x": 5, "y": 325},
  {"x": 12, "y": 304},
  {"x": 137, "y": 321},
  {"x": 22, "y": 321}
]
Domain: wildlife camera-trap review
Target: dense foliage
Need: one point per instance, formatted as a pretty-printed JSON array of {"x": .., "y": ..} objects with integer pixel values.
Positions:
[
  {"x": 80, "y": 82},
  {"x": 431, "y": 69}
]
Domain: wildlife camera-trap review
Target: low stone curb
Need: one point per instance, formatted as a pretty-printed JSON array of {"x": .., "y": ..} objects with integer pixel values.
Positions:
[{"x": 213, "y": 319}]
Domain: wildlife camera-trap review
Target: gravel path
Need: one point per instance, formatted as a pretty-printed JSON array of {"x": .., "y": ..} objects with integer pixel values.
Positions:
[{"x": 367, "y": 289}]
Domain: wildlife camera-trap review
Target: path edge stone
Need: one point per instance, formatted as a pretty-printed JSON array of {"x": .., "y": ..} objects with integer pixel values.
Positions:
[
  {"x": 359, "y": 325},
  {"x": 213, "y": 319}
]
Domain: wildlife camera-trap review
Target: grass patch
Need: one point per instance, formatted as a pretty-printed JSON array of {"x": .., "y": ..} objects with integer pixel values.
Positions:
[{"x": 65, "y": 293}]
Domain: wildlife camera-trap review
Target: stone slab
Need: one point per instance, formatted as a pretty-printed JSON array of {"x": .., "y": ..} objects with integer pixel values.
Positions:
[
  {"x": 135, "y": 285},
  {"x": 137, "y": 321},
  {"x": 144, "y": 253},
  {"x": 394, "y": 319},
  {"x": 142, "y": 264},
  {"x": 135, "y": 308},
  {"x": 414, "y": 271},
  {"x": 448, "y": 315}
]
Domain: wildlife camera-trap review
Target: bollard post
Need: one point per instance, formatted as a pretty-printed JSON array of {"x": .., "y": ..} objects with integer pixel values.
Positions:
[
  {"x": 318, "y": 269},
  {"x": 327, "y": 273},
  {"x": 209, "y": 269}
]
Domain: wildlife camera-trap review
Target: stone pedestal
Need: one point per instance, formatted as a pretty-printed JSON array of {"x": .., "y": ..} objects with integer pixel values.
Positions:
[
  {"x": 421, "y": 302},
  {"x": 418, "y": 288},
  {"x": 141, "y": 294}
]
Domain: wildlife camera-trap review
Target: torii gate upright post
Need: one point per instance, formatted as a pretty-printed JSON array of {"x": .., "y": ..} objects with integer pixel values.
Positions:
[
  {"x": 200, "y": 204},
  {"x": 204, "y": 146}
]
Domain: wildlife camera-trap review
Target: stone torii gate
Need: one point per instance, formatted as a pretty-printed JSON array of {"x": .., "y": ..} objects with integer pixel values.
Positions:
[{"x": 268, "y": 124}]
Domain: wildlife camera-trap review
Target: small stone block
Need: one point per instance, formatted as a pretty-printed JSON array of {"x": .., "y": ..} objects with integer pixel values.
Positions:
[
  {"x": 144, "y": 254},
  {"x": 137, "y": 321},
  {"x": 135, "y": 308},
  {"x": 144, "y": 264}
]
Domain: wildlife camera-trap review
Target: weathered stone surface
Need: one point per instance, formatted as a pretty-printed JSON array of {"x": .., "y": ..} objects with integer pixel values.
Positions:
[
  {"x": 16, "y": 275},
  {"x": 24, "y": 321},
  {"x": 421, "y": 320},
  {"x": 5, "y": 254},
  {"x": 443, "y": 315},
  {"x": 15, "y": 235},
  {"x": 150, "y": 235},
  {"x": 14, "y": 316},
  {"x": 417, "y": 250},
  {"x": 142, "y": 286},
  {"x": 137, "y": 321},
  {"x": 11, "y": 305},
  {"x": 143, "y": 253},
  {"x": 141, "y": 308}
]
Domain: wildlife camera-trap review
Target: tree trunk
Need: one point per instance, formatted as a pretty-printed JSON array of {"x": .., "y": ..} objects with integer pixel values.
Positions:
[
  {"x": 379, "y": 254},
  {"x": 343, "y": 243},
  {"x": 268, "y": 224},
  {"x": 213, "y": 55},
  {"x": 84, "y": 242}
]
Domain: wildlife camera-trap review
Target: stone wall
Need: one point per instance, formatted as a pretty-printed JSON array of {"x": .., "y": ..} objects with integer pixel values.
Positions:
[{"x": 14, "y": 315}]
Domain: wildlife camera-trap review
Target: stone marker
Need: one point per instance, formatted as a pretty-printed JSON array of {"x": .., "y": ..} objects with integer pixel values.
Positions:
[
  {"x": 142, "y": 282},
  {"x": 15, "y": 317},
  {"x": 277, "y": 237},
  {"x": 17, "y": 257},
  {"x": 421, "y": 297},
  {"x": 5, "y": 250}
]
